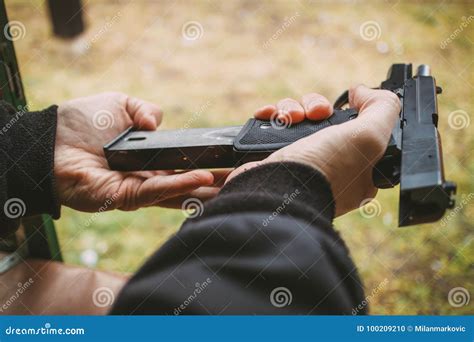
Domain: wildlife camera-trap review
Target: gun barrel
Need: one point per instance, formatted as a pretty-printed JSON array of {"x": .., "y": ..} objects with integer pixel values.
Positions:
[{"x": 423, "y": 70}]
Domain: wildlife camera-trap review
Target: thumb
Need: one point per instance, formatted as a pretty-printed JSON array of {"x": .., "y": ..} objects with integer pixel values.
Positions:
[
  {"x": 144, "y": 114},
  {"x": 159, "y": 188},
  {"x": 243, "y": 168},
  {"x": 378, "y": 109}
]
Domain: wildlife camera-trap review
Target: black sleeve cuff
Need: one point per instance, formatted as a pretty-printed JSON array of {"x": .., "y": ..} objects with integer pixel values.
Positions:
[
  {"x": 278, "y": 188},
  {"x": 30, "y": 177}
]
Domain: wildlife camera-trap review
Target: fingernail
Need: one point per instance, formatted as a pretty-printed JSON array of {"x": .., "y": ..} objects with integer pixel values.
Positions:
[
  {"x": 313, "y": 103},
  {"x": 153, "y": 119}
]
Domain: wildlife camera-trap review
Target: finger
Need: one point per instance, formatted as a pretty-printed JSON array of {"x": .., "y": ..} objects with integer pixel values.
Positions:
[
  {"x": 265, "y": 112},
  {"x": 203, "y": 194},
  {"x": 316, "y": 106},
  {"x": 289, "y": 109},
  {"x": 144, "y": 114},
  {"x": 370, "y": 101},
  {"x": 378, "y": 109},
  {"x": 146, "y": 174},
  {"x": 220, "y": 176},
  {"x": 359, "y": 95},
  {"x": 243, "y": 168},
  {"x": 159, "y": 188}
]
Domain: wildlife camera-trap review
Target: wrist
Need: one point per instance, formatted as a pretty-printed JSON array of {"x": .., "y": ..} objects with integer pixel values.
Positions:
[
  {"x": 31, "y": 177},
  {"x": 283, "y": 181}
]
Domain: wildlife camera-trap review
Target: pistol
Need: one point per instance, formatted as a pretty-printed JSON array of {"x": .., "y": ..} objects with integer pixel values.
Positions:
[{"x": 413, "y": 157}]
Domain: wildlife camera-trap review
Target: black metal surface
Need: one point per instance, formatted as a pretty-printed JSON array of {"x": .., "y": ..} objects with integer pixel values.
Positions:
[
  {"x": 424, "y": 194},
  {"x": 261, "y": 135},
  {"x": 173, "y": 149},
  {"x": 224, "y": 147}
]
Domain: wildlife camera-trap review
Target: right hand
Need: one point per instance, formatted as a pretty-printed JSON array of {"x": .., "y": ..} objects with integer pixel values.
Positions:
[{"x": 345, "y": 154}]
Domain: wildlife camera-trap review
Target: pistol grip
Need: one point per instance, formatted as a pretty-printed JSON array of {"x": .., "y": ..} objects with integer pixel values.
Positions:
[
  {"x": 258, "y": 138},
  {"x": 269, "y": 136}
]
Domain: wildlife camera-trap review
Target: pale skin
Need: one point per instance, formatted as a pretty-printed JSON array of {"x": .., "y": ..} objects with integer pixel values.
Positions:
[{"x": 345, "y": 154}]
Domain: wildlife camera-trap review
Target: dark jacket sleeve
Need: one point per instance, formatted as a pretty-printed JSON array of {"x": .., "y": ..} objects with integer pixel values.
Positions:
[
  {"x": 26, "y": 165},
  {"x": 264, "y": 245}
]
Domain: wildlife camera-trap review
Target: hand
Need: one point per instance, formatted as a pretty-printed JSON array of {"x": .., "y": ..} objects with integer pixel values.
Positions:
[
  {"x": 313, "y": 106},
  {"x": 83, "y": 179},
  {"x": 345, "y": 154}
]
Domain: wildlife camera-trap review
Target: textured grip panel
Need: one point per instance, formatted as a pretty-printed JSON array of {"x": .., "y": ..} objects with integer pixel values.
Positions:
[{"x": 262, "y": 135}]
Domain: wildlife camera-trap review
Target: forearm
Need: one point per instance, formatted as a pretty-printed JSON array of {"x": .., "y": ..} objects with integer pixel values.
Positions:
[
  {"x": 27, "y": 145},
  {"x": 269, "y": 228}
]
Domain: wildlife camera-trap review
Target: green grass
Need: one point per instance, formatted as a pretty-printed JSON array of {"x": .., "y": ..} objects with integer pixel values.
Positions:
[{"x": 144, "y": 54}]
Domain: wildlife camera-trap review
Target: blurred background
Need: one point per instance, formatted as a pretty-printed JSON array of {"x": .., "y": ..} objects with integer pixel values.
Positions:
[{"x": 212, "y": 63}]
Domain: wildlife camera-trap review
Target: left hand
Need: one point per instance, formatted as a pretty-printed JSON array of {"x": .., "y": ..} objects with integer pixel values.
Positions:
[{"x": 83, "y": 178}]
